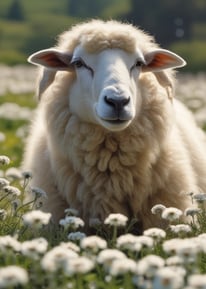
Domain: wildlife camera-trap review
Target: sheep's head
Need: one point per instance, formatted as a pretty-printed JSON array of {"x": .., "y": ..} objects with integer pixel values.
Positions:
[{"x": 105, "y": 90}]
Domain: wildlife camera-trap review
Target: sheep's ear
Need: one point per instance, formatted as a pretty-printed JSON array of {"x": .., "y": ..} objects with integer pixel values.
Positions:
[
  {"x": 51, "y": 58},
  {"x": 161, "y": 59},
  {"x": 46, "y": 78}
]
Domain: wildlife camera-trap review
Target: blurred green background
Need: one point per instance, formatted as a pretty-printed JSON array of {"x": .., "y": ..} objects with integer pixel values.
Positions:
[{"x": 29, "y": 25}]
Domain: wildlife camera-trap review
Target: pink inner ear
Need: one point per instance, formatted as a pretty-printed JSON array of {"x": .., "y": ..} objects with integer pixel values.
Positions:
[
  {"x": 160, "y": 60},
  {"x": 52, "y": 60}
]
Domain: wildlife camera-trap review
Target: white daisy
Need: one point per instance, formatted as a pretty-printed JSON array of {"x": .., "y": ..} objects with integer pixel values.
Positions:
[
  {"x": 36, "y": 218},
  {"x": 129, "y": 242},
  {"x": 12, "y": 276},
  {"x": 117, "y": 220},
  {"x": 93, "y": 243},
  {"x": 171, "y": 214}
]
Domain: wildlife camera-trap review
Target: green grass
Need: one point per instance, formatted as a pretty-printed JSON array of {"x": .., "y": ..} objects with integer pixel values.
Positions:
[{"x": 27, "y": 100}]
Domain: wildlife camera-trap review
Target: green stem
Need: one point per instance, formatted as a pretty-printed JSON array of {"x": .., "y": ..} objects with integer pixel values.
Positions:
[
  {"x": 127, "y": 281},
  {"x": 4, "y": 197},
  {"x": 79, "y": 283},
  {"x": 25, "y": 205},
  {"x": 114, "y": 237}
]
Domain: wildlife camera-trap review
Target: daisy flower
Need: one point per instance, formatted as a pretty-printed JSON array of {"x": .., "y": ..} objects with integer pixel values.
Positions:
[
  {"x": 79, "y": 265},
  {"x": 148, "y": 265},
  {"x": 180, "y": 228},
  {"x": 34, "y": 248},
  {"x": 36, "y": 218},
  {"x": 158, "y": 209},
  {"x": 197, "y": 281},
  {"x": 93, "y": 243},
  {"x": 122, "y": 266},
  {"x": 3, "y": 183},
  {"x": 13, "y": 191},
  {"x": 9, "y": 243},
  {"x": 107, "y": 256},
  {"x": 11, "y": 276},
  {"x": 116, "y": 220},
  {"x": 128, "y": 242},
  {"x": 156, "y": 233},
  {"x": 57, "y": 258},
  {"x": 166, "y": 278},
  {"x": 171, "y": 214},
  {"x": 76, "y": 236},
  {"x": 71, "y": 223},
  {"x": 4, "y": 160}
]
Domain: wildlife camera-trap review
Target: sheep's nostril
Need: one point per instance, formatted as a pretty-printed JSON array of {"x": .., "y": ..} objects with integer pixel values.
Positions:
[{"x": 117, "y": 102}]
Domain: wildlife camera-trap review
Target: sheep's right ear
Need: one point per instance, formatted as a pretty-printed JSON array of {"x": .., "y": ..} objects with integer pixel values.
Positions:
[{"x": 52, "y": 59}]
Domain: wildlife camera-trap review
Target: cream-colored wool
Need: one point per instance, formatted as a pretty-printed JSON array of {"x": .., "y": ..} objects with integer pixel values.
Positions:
[{"x": 156, "y": 159}]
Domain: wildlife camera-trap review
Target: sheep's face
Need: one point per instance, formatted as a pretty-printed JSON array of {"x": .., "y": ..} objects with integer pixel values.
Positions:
[{"x": 105, "y": 91}]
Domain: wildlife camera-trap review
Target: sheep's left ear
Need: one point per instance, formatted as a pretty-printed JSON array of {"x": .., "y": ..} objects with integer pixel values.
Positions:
[
  {"x": 52, "y": 59},
  {"x": 161, "y": 59}
]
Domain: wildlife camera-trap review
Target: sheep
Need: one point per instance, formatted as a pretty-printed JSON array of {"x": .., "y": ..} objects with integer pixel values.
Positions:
[{"x": 108, "y": 135}]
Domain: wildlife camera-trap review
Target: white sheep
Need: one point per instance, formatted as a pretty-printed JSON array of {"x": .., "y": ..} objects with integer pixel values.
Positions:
[{"x": 108, "y": 137}]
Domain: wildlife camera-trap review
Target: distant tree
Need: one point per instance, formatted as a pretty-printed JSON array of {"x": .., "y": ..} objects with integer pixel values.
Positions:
[
  {"x": 86, "y": 8},
  {"x": 167, "y": 20},
  {"x": 15, "y": 11}
]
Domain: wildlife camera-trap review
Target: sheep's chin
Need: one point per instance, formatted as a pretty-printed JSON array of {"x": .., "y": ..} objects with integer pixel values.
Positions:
[
  {"x": 114, "y": 125},
  {"x": 109, "y": 124}
]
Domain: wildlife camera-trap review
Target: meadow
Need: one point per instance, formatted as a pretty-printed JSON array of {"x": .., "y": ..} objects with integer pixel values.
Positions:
[{"x": 37, "y": 254}]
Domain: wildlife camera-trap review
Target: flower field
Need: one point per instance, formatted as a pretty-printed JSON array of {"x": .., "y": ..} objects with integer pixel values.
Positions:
[{"x": 37, "y": 254}]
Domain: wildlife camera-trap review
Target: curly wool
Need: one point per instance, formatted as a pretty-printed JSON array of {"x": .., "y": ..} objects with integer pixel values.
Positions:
[{"x": 100, "y": 38}]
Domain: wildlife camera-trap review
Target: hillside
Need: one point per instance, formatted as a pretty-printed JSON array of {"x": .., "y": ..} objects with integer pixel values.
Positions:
[
  {"x": 41, "y": 22},
  {"x": 29, "y": 25}
]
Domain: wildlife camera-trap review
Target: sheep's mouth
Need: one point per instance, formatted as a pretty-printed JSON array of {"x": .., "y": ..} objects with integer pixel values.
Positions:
[
  {"x": 114, "y": 124},
  {"x": 115, "y": 121}
]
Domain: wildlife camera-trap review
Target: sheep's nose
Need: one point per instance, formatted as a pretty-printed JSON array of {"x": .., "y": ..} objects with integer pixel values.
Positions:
[{"x": 118, "y": 102}]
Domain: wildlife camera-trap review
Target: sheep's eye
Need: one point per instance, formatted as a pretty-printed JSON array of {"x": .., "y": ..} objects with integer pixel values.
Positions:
[
  {"x": 139, "y": 63},
  {"x": 78, "y": 63}
]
